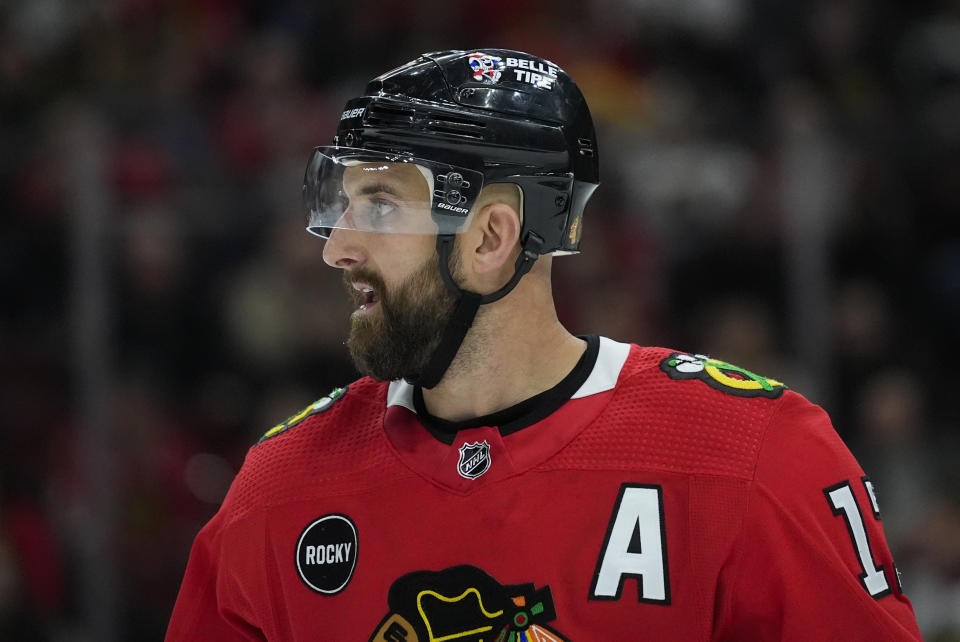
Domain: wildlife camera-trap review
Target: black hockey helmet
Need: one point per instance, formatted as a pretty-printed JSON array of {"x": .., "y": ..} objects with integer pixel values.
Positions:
[
  {"x": 462, "y": 119},
  {"x": 506, "y": 115}
]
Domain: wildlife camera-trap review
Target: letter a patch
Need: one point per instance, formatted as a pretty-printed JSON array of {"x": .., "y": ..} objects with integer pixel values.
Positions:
[{"x": 635, "y": 547}]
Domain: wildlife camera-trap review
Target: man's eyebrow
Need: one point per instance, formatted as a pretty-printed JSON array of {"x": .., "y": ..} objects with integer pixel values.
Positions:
[{"x": 377, "y": 188}]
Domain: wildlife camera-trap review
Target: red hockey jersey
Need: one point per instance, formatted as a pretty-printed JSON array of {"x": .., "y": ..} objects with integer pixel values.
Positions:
[{"x": 651, "y": 495}]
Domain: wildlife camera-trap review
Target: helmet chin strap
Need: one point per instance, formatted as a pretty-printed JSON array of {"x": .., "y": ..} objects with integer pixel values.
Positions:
[{"x": 467, "y": 305}]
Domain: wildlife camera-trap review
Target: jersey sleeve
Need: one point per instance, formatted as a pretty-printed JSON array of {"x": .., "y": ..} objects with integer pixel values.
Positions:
[
  {"x": 811, "y": 561},
  {"x": 212, "y": 603}
]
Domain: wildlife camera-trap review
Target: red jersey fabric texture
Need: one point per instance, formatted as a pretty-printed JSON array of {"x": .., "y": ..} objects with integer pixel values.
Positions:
[{"x": 661, "y": 501}]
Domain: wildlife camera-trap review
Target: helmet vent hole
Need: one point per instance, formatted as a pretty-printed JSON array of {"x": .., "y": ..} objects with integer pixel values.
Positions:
[
  {"x": 382, "y": 114},
  {"x": 458, "y": 120},
  {"x": 456, "y": 125}
]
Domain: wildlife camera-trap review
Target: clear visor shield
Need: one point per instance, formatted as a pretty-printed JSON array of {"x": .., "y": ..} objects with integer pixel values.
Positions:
[{"x": 371, "y": 191}]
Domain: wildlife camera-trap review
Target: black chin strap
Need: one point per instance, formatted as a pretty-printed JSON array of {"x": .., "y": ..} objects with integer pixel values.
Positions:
[{"x": 468, "y": 303}]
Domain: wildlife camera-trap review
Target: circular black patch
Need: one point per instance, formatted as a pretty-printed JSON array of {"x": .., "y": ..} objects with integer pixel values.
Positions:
[{"x": 327, "y": 554}]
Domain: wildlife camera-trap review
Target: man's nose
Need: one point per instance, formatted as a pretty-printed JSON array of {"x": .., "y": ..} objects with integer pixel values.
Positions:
[{"x": 343, "y": 249}]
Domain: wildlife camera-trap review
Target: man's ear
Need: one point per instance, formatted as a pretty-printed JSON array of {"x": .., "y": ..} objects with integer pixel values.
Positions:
[{"x": 497, "y": 237}]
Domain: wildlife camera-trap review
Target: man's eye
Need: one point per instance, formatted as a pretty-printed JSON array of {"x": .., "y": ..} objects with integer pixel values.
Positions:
[{"x": 381, "y": 207}]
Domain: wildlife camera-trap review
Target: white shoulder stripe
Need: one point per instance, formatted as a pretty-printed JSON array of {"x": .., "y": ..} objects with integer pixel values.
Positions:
[{"x": 606, "y": 371}]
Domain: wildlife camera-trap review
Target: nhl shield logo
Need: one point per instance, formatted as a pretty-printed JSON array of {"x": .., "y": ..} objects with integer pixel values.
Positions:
[{"x": 474, "y": 459}]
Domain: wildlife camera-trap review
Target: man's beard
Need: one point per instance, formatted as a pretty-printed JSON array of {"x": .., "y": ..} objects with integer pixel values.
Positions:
[{"x": 397, "y": 341}]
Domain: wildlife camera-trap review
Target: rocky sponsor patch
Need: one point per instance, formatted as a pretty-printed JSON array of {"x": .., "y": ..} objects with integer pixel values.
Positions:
[{"x": 327, "y": 553}]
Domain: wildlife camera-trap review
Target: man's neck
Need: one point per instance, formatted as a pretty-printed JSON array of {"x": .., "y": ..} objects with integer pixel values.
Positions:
[{"x": 513, "y": 352}]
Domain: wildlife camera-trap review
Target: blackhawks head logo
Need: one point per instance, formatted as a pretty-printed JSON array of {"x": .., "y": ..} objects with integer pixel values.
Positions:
[
  {"x": 464, "y": 604},
  {"x": 721, "y": 375}
]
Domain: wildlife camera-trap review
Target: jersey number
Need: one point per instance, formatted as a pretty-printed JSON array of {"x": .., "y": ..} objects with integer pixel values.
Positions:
[
  {"x": 843, "y": 502},
  {"x": 635, "y": 547}
]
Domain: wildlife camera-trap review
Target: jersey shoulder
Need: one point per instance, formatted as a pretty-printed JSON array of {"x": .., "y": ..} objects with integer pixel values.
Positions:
[
  {"x": 719, "y": 375},
  {"x": 323, "y": 449},
  {"x": 701, "y": 415},
  {"x": 685, "y": 413}
]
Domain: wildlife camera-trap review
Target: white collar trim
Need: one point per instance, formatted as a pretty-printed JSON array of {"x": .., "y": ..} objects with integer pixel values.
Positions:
[
  {"x": 610, "y": 359},
  {"x": 400, "y": 393}
]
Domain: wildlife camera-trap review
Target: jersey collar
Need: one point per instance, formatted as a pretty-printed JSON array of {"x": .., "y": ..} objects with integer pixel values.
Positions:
[
  {"x": 509, "y": 442},
  {"x": 596, "y": 372}
]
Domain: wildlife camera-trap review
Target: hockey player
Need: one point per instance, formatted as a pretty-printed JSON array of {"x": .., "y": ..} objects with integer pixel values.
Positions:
[{"x": 496, "y": 478}]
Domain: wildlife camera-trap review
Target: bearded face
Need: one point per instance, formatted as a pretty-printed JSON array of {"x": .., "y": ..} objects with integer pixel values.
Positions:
[{"x": 394, "y": 331}]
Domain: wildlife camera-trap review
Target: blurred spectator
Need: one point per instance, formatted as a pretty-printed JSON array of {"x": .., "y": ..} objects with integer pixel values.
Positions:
[
  {"x": 934, "y": 582},
  {"x": 17, "y": 620},
  {"x": 896, "y": 448}
]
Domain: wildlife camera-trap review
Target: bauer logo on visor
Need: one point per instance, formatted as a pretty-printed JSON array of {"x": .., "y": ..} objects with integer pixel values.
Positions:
[{"x": 371, "y": 191}]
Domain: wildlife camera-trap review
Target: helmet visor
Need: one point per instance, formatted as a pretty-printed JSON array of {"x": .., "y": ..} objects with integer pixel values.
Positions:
[{"x": 386, "y": 192}]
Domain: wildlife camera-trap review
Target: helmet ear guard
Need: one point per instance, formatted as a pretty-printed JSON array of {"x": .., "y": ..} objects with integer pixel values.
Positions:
[{"x": 552, "y": 209}]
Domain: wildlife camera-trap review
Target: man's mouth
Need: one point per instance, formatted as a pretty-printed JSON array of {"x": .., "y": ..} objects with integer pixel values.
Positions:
[{"x": 366, "y": 297}]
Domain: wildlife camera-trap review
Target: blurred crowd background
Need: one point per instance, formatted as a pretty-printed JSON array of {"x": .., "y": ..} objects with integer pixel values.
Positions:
[{"x": 780, "y": 189}]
